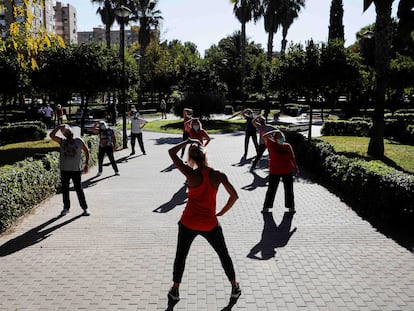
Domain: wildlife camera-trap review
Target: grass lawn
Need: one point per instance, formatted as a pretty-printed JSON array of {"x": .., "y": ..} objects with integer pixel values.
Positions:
[
  {"x": 401, "y": 155},
  {"x": 12, "y": 153}
]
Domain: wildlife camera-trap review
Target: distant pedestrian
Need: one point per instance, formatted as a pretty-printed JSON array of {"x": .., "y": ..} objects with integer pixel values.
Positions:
[
  {"x": 107, "y": 145},
  {"x": 250, "y": 131},
  {"x": 48, "y": 115},
  {"x": 199, "y": 216},
  {"x": 59, "y": 114},
  {"x": 70, "y": 163},
  {"x": 137, "y": 123},
  {"x": 260, "y": 124},
  {"x": 163, "y": 107},
  {"x": 282, "y": 165},
  {"x": 187, "y": 115},
  {"x": 196, "y": 131}
]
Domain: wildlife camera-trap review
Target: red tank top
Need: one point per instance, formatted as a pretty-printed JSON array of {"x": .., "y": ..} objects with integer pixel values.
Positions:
[
  {"x": 199, "y": 135},
  {"x": 200, "y": 211}
]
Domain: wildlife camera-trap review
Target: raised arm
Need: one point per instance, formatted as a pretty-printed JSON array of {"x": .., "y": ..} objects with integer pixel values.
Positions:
[
  {"x": 86, "y": 152},
  {"x": 185, "y": 169},
  {"x": 53, "y": 133}
]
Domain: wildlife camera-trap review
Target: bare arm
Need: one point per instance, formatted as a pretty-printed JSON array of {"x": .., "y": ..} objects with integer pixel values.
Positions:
[
  {"x": 95, "y": 128},
  {"x": 86, "y": 152},
  {"x": 185, "y": 169},
  {"x": 53, "y": 136},
  {"x": 233, "y": 196},
  {"x": 206, "y": 137}
]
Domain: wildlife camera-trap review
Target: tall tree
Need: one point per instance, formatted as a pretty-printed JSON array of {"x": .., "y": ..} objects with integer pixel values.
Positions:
[
  {"x": 106, "y": 11},
  {"x": 383, "y": 49},
  {"x": 271, "y": 23},
  {"x": 245, "y": 11},
  {"x": 289, "y": 10},
  {"x": 336, "y": 26},
  {"x": 149, "y": 17}
]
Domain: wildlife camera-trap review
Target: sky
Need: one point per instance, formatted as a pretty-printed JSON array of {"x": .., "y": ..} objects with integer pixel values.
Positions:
[{"x": 207, "y": 22}]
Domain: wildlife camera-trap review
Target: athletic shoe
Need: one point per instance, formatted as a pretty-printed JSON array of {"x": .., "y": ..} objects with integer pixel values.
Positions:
[
  {"x": 173, "y": 295},
  {"x": 235, "y": 292},
  {"x": 291, "y": 210},
  {"x": 86, "y": 212},
  {"x": 99, "y": 174},
  {"x": 116, "y": 173},
  {"x": 266, "y": 210},
  {"x": 64, "y": 212}
]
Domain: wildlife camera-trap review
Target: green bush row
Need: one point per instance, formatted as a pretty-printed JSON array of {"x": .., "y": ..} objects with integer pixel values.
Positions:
[
  {"x": 377, "y": 191},
  {"x": 398, "y": 128},
  {"x": 22, "y": 131},
  {"x": 29, "y": 182}
]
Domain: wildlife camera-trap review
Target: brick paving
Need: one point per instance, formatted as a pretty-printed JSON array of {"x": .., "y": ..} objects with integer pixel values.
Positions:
[{"x": 120, "y": 258}]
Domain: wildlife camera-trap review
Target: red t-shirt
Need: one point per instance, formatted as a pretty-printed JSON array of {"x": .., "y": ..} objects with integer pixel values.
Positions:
[
  {"x": 200, "y": 212},
  {"x": 199, "y": 135},
  {"x": 282, "y": 159}
]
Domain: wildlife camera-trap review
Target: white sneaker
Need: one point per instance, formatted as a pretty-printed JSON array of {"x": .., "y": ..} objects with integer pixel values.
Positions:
[
  {"x": 86, "y": 212},
  {"x": 64, "y": 212}
]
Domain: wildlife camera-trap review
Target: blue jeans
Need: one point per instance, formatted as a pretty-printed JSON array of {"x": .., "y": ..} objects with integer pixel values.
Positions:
[{"x": 214, "y": 237}]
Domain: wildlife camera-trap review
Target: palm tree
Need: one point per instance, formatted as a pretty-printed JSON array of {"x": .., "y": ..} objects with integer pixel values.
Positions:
[
  {"x": 288, "y": 12},
  {"x": 383, "y": 49},
  {"x": 271, "y": 23},
  {"x": 245, "y": 11},
  {"x": 106, "y": 10},
  {"x": 145, "y": 12}
]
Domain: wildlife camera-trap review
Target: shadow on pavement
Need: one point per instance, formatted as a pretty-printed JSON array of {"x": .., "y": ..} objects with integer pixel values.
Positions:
[
  {"x": 273, "y": 236},
  {"x": 33, "y": 236},
  {"x": 168, "y": 169},
  {"x": 258, "y": 181},
  {"x": 243, "y": 161},
  {"x": 179, "y": 198},
  {"x": 92, "y": 181},
  {"x": 168, "y": 140}
]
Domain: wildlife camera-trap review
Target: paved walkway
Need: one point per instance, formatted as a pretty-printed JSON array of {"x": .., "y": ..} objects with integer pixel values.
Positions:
[{"x": 120, "y": 258}]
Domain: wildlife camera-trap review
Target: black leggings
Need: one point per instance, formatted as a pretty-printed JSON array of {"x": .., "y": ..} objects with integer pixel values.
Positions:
[
  {"x": 214, "y": 237},
  {"x": 272, "y": 188},
  {"x": 66, "y": 176}
]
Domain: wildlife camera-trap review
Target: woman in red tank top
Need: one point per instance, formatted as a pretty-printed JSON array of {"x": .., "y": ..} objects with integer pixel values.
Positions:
[
  {"x": 199, "y": 216},
  {"x": 196, "y": 131}
]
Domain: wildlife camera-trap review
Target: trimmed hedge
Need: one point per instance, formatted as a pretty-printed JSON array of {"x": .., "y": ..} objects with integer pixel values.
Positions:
[
  {"x": 29, "y": 182},
  {"x": 398, "y": 127},
  {"x": 22, "y": 131},
  {"x": 378, "y": 192}
]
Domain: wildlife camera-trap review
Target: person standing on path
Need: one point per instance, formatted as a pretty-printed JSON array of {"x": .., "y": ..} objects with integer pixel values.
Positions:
[
  {"x": 260, "y": 124},
  {"x": 59, "y": 112},
  {"x": 250, "y": 131},
  {"x": 196, "y": 131},
  {"x": 187, "y": 115},
  {"x": 199, "y": 216},
  {"x": 107, "y": 145},
  {"x": 163, "y": 107},
  {"x": 283, "y": 165},
  {"x": 70, "y": 163},
  {"x": 137, "y": 123}
]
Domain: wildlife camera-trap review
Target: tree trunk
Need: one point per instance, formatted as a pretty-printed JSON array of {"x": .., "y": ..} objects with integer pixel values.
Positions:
[
  {"x": 243, "y": 60},
  {"x": 270, "y": 46},
  {"x": 383, "y": 38}
]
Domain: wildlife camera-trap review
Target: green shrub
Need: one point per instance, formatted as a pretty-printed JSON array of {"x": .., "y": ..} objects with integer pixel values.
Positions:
[
  {"x": 377, "y": 191},
  {"x": 345, "y": 128},
  {"x": 22, "y": 131},
  {"x": 27, "y": 183}
]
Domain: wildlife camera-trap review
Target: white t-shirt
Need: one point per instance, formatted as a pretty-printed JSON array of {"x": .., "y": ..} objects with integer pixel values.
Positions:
[{"x": 136, "y": 124}]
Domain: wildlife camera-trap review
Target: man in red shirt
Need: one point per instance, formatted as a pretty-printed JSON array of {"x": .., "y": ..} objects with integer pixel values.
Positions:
[{"x": 282, "y": 165}]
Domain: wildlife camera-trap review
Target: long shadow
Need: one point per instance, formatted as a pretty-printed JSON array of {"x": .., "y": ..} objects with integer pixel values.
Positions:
[
  {"x": 33, "y": 236},
  {"x": 168, "y": 169},
  {"x": 273, "y": 236},
  {"x": 168, "y": 140},
  {"x": 179, "y": 198},
  {"x": 258, "y": 181},
  {"x": 92, "y": 181},
  {"x": 243, "y": 161}
]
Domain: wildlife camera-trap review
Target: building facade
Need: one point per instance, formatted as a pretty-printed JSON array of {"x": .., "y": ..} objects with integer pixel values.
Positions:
[{"x": 66, "y": 23}]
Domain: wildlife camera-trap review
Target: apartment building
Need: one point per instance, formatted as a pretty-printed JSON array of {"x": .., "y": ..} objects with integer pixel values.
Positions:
[{"x": 66, "y": 22}]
